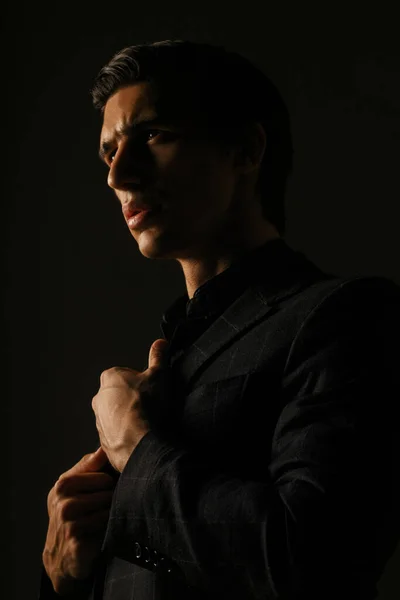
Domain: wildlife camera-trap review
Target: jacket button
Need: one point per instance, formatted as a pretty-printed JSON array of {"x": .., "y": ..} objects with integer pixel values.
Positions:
[
  {"x": 155, "y": 558},
  {"x": 147, "y": 557},
  {"x": 138, "y": 550}
]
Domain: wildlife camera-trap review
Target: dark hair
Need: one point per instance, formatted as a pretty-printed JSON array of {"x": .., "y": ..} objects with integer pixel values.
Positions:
[{"x": 223, "y": 88}]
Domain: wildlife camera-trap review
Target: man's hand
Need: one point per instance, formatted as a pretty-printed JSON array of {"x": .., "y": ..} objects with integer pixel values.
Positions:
[
  {"x": 78, "y": 505},
  {"x": 126, "y": 402}
]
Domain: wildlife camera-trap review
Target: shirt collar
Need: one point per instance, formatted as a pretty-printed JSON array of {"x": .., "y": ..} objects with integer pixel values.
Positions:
[{"x": 216, "y": 294}]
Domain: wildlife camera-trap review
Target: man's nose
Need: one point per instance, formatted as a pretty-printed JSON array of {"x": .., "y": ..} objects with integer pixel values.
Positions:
[{"x": 129, "y": 166}]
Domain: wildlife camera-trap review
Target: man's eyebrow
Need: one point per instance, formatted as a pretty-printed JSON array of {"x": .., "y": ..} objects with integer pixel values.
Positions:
[{"x": 135, "y": 125}]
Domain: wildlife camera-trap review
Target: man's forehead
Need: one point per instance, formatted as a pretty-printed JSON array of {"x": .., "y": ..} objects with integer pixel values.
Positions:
[
  {"x": 136, "y": 105},
  {"x": 128, "y": 104}
]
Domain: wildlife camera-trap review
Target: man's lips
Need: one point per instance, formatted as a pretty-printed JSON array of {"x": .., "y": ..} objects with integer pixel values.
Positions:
[
  {"x": 141, "y": 217},
  {"x": 130, "y": 210}
]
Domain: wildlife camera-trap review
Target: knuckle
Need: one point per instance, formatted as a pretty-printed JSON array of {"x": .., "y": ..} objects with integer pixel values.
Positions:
[
  {"x": 46, "y": 557},
  {"x": 50, "y": 497},
  {"x": 65, "y": 509},
  {"x": 106, "y": 373},
  {"x": 75, "y": 545},
  {"x": 70, "y": 531},
  {"x": 52, "y": 500},
  {"x": 62, "y": 485}
]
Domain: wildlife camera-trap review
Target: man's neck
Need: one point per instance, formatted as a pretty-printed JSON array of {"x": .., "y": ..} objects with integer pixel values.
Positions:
[{"x": 198, "y": 271}]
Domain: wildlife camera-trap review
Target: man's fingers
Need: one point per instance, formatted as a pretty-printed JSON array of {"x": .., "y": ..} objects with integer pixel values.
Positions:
[
  {"x": 78, "y": 483},
  {"x": 89, "y": 463},
  {"x": 158, "y": 354},
  {"x": 90, "y": 524},
  {"x": 84, "y": 504}
]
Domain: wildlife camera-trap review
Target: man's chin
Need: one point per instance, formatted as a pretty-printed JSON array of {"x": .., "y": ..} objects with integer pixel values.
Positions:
[{"x": 153, "y": 246}]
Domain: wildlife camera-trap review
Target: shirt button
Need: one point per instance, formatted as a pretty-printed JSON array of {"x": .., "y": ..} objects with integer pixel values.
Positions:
[{"x": 138, "y": 550}]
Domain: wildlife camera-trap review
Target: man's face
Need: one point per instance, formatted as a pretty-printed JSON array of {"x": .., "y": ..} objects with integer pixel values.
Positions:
[{"x": 169, "y": 164}]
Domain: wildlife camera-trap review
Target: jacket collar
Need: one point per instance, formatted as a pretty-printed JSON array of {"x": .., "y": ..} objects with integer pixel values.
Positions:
[{"x": 284, "y": 274}]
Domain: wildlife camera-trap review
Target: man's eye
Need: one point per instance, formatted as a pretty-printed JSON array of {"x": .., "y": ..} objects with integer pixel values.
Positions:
[
  {"x": 153, "y": 132},
  {"x": 162, "y": 134},
  {"x": 150, "y": 134}
]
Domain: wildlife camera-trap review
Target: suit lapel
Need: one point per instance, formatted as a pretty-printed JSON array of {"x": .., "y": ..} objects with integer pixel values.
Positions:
[{"x": 293, "y": 273}]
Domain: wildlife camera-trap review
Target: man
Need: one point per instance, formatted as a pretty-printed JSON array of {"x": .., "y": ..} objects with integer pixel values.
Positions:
[{"x": 254, "y": 458}]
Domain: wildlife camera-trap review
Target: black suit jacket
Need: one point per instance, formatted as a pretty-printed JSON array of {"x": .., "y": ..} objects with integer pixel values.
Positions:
[{"x": 280, "y": 481}]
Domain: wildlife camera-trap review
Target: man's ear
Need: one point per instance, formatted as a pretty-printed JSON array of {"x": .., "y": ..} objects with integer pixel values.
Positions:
[{"x": 252, "y": 148}]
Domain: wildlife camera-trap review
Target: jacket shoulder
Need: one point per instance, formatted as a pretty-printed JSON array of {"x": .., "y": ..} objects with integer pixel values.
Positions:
[
  {"x": 357, "y": 289},
  {"x": 362, "y": 288},
  {"x": 331, "y": 297}
]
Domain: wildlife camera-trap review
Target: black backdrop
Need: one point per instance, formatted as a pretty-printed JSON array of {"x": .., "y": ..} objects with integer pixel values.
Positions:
[{"x": 79, "y": 296}]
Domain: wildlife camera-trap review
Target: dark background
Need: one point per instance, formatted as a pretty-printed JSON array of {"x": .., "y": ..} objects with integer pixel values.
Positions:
[{"x": 79, "y": 296}]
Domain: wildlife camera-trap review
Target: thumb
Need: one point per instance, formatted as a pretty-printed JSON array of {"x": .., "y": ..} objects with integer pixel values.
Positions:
[
  {"x": 158, "y": 354},
  {"x": 89, "y": 463}
]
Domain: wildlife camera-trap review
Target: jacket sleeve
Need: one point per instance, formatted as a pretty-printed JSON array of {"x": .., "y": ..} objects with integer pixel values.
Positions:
[{"x": 319, "y": 524}]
